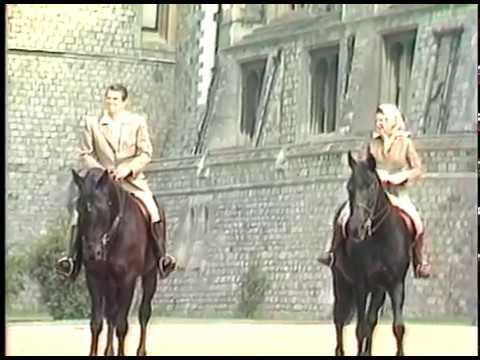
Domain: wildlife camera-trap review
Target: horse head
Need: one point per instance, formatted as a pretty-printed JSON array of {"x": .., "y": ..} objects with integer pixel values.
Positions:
[
  {"x": 364, "y": 188},
  {"x": 98, "y": 205}
]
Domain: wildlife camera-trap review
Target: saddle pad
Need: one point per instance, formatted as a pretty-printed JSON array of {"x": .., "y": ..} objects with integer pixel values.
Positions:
[
  {"x": 407, "y": 220},
  {"x": 143, "y": 208}
]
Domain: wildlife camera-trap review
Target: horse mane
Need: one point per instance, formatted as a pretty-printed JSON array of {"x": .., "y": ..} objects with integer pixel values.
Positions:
[
  {"x": 365, "y": 167},
  {"x": 97, "y": 174},
  {"x": 337, "y": 214}
]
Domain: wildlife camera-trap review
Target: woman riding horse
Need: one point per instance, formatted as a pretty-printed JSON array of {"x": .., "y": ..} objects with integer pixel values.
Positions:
[{"x": 398, "y": 164}]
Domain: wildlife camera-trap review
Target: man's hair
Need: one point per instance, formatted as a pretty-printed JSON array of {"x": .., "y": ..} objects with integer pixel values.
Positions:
[{"x": 120, "y": 88}]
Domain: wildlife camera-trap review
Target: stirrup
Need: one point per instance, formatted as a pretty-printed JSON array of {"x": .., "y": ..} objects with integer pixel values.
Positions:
[
  {"x": 172, "y": 262},
  {"x": 166, "y": 270},
  {"x": 61, "y": 269},
  {"x": 327, "y": 259}
]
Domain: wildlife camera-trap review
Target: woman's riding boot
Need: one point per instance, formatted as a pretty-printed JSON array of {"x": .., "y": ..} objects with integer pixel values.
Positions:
[
  {"x": 420, "y": 259},
  {"x": 328, "y": 257},
  {"x": 68, "y": 266},
  {"x": 166, "y": 263}
]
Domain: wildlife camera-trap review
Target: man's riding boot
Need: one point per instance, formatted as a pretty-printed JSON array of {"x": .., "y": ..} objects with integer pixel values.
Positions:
[
  {"x": 166, "y": 263},
  {"x": 420, "y": 258},
  {"x": 328, "y": 257},
  {"x": 69, "y": 266}
]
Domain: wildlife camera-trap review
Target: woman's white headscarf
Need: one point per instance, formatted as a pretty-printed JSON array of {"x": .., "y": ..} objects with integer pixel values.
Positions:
[{"x": 392, "y": 114}]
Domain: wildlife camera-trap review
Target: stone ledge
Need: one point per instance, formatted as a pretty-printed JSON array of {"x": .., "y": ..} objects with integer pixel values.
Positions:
[
  {"x": 328, "y": 145},
  {"x": 285, "y": 31},
  {"x": 293, "y": 182},
  {"x": 137, "y": 55}
]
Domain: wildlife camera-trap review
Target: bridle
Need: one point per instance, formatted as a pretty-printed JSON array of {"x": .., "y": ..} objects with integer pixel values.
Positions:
[
  {"x": 372, "y": 216},
  {"x": 105, "y": 239}
]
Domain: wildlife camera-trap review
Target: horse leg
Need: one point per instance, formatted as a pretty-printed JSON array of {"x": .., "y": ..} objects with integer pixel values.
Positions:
[
  {"x": 109, "y": 346},
  {"x": 111, "y": 312},
  {"x": 378, "y": 299},
  {"x": 124, "y": 302},
  {"x": 96, "y": 315},
  {"x": 342, "y": 310},
  {"x": 361, "y": 330},
  {"x": 397, "y": 296},
  {"x": 149, "y": 285}
]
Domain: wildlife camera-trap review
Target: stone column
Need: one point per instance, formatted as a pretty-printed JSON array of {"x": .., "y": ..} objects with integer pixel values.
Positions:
[{"x": 239, "y": 20}]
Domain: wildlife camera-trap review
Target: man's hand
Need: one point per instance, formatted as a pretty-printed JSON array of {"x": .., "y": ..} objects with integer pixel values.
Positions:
[{"x": 120, "y": 174}]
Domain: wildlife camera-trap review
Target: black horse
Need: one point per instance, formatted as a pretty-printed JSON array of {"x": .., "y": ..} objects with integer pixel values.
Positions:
[
  {"x": 372, "y": 260},
  {"x": 116, "y": 249}
]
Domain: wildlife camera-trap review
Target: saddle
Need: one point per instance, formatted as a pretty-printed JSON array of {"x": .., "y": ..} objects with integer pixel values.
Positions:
[{"x": 146, "y": 215}]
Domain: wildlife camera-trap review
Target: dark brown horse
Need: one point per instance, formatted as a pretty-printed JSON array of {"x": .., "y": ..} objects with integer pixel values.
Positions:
[
  {"x": 116, "y": 249},
  {"x": 372, "y": 261}
]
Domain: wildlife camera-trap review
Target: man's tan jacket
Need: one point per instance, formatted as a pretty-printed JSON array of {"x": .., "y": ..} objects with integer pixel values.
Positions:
[{"x": 121, "y": 144}]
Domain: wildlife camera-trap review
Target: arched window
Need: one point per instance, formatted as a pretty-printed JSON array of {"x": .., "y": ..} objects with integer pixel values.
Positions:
[
  {"x": 252, "y": 78},
  {"x": 398, "y": 61},
  {"x": 159, "y": 19},
  {"x": 324, "y": 77}
]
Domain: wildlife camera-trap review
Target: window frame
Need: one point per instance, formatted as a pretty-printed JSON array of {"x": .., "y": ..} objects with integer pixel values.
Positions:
[
  {"x": 397, "y": 93},
  {"x": 331, "y": 56},
  {"x": 258, "y": 67}
]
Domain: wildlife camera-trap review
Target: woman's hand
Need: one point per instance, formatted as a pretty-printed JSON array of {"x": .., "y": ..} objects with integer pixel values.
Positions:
[{"x": 397, "y": 178}]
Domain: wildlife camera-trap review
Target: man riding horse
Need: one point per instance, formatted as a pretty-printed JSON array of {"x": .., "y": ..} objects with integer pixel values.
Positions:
[{"x": 119, "y": 142}]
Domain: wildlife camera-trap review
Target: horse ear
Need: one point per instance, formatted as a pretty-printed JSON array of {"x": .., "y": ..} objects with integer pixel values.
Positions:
[
  {"x": 79, "y": 181},
  {"x": 371, "y": 162},
  {"x": 103, "y": 179},
  {"x": 351, "y": 160}
]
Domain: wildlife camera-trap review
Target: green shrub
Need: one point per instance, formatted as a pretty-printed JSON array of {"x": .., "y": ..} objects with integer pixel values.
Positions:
[
  {"x": 15, "y": 274},
  {"x": 63, "y": 298},
  {"x": 253, "y": 288}
]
